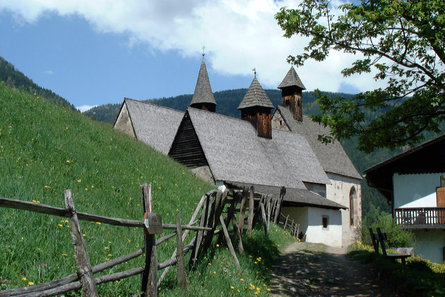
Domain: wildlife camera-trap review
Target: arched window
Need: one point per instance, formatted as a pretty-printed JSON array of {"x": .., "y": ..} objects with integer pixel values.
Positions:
[{"x": 352, "y": 198}]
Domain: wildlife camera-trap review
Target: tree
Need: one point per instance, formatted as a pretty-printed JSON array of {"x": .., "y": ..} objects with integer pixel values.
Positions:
[{"x": 401, "y": 42}]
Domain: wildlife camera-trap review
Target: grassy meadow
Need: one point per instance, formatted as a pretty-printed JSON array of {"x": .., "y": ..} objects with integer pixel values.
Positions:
[{"x": 45, "y": 149}]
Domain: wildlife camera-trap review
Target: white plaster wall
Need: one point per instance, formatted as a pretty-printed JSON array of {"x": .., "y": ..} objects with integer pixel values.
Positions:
[
  {"x": 332, "y": 235},
  {"x": 429, "y": 244},
  {"x": 419, "y": 188},
  {"x": 299, "y": 215},
  {"x": 338, "y": 191},
  {"x": 310, "y": 220},
  {"x": 123, "y": 122}
]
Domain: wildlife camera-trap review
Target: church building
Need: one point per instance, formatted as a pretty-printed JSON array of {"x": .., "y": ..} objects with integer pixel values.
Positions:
[{"x": 268, "y": 148}]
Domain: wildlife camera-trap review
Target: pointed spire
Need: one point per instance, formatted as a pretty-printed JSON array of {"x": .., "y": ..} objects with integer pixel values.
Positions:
[
  {"x": 203, "y": 91},
  {"x": 255, "y": 96},
  {"x": 291, "y": 80}
]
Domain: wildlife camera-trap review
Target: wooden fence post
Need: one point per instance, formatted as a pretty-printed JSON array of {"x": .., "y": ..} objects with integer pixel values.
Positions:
[
  {"x": 83, "y": 261},
  {"x": 280, "y": 201},
  {"x": 250, "y": 218},
  {"x": 181, "y": 275},
  {"x": 263, "y": 214},
  {"x": 285, "y": 222},
  {"x": 150, "y": 274}
]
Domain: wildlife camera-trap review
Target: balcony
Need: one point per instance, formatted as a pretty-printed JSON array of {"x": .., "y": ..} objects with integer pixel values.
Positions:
[{"x": 421, "y": 218}]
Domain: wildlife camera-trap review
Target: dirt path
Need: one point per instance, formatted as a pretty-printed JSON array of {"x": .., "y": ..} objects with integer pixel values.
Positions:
[{"x": 316, "y": 270}]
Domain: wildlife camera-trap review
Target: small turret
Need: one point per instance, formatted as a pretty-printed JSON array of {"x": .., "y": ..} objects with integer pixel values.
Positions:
[
  {"x": 256, "y": 108},
  {"x": 292, "y": 94}
]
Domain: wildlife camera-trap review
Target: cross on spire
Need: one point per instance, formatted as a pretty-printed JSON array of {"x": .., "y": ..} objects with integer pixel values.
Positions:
[
  {"x": 203, "y": 51},
  {"x": 254, "y": 71}
]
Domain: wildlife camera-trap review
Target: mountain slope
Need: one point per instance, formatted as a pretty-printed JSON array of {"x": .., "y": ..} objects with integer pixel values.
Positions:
[
  {"x": 16, "y": 79},
  {"x": 44, "y": 150}
]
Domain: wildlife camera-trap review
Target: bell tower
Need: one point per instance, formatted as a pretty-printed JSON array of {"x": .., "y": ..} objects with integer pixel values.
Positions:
[{"x": 292, "y": 94}]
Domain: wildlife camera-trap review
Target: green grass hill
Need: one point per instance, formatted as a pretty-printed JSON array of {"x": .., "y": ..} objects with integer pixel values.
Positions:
[{"x": 45, "y": 149}]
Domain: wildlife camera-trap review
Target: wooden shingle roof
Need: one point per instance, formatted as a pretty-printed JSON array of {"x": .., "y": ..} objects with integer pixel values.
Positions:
[
  {"x": 291, "y": 79},
  {"x": 203, "y": 91},
  {"x": 300, "y": 197},
  {"x": 234, "y": 152},
  {"x": 255, "y": 96},
  {"x": 332, "y": 156},
  {"x": 154, "y": 125}
]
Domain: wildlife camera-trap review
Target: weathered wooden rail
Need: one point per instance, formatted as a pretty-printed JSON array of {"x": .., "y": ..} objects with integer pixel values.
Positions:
[
  {"x": 213, "y": 214},
  {"x": 289, "y": 224}
]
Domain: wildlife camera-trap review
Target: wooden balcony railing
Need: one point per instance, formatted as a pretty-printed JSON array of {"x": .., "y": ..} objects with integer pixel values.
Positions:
[{"x": 420, "y": 218}]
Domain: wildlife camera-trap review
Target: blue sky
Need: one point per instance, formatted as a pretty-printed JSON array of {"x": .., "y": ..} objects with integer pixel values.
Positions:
[{"x": 91, "y": 53}]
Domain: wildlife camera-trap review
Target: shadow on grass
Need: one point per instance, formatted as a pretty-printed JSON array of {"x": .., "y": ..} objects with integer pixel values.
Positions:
[{"x": 415, "y": 278}]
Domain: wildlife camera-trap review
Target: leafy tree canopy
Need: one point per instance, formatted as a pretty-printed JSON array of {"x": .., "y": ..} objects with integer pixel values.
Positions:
[{"x": 401, "y": 42}]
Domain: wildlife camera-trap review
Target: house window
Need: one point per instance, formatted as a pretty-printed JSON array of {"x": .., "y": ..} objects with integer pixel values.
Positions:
[
  {"x": 325, "y": 222},
  {"x": 352, "y": 198}
]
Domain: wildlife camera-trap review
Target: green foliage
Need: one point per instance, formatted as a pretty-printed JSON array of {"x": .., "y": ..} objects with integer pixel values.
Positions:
[
  {"x": 417, "y": 278},
  {"x": 397, "y": 237},
  {"x": 44, "y": 150},
  {"x": 401, "y": 42},
  {"x": 15, "y": 79}
]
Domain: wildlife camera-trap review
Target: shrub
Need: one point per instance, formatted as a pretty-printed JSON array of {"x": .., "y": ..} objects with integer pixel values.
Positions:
[{"x": 397, "y": 237}]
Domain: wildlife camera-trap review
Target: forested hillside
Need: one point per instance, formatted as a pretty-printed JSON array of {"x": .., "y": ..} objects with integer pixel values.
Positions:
[{"x": 16, "y": 79}]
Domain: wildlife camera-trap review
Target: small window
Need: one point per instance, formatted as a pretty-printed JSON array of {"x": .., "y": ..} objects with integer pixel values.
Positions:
[{"x": 325, "y": 222}]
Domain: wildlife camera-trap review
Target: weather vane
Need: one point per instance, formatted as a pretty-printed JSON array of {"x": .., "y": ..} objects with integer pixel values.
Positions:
[
  {"x": 203, "y": 51},
  {"x": 254, "y": 71}
]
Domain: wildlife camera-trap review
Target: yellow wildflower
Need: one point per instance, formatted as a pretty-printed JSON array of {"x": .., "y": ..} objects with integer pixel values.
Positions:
[
  {"x": 214, "y": 272},
  {"x": 217, "y": 245},
  {"x": 47, "y": 187},
  {"x": 60, "y": 225},
  {"x": 79, "y": 180},
  {"x": 23, "y": 278},
  {"x": 106, "y": 259},
  {"x": 109, "y": 255},
  {"x": 64, "y": 255},
  {"x": 68, "y": 161},
  {"x": 232, "y": 287},
  {"x": 241, "y": 279},
  {"x": 98, "y": 223},
  {"x": 106, "y": 248},
  {"x": 30, "y": 283}
]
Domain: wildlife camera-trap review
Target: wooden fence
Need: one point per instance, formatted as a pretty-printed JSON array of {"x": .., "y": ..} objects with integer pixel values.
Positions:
[
  {"x": 289, "y": 224},
  {"x": 212, "y": 217}
]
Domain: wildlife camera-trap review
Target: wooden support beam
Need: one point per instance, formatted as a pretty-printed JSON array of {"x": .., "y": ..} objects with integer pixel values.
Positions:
[
  {"x": 82, "y": 259},
  {"x": 229, "y": 242},
  {"x": 263, "y": 214},
  {"x": 285, "y": 222},
  {"x": 180, "y": 275},
  {"x": 242, "y": 211},
  {"x": 279, "y": 203},
  {"x": 250, "y": 218}
]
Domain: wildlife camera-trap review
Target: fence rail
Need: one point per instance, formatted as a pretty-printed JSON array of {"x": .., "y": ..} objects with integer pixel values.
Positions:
[
  {"x": 425, "y": 217},
  {"x": 212, "y": 217}
]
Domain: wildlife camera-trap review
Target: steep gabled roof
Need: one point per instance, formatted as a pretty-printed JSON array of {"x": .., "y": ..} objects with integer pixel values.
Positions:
[
  {"x": 291, "y": 79},
  {"x": 255, "y": 96},
  {"x": 203, "y": 90},
  {"x": 234, "y": 152},
  {"x": 154, "y": 125},
  {"x": 332, "y": 156},
  {"x": 300, "y": 197}
]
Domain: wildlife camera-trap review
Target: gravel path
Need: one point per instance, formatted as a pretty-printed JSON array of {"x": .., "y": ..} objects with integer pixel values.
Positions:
[{"x": 317, "y": 270}]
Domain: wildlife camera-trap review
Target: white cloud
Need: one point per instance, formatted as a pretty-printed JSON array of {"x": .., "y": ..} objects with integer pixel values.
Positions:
[
  {"x": 238, "y": 35},
  {"x": 48, "y": 72},
  {"x": 84, "y": 108}
]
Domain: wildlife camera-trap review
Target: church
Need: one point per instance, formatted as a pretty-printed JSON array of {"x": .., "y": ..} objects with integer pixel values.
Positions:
[{"x": 268, "y": 147}]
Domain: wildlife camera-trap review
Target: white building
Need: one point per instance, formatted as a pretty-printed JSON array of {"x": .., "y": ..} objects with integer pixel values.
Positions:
[{"x": 412, "y": 183}]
